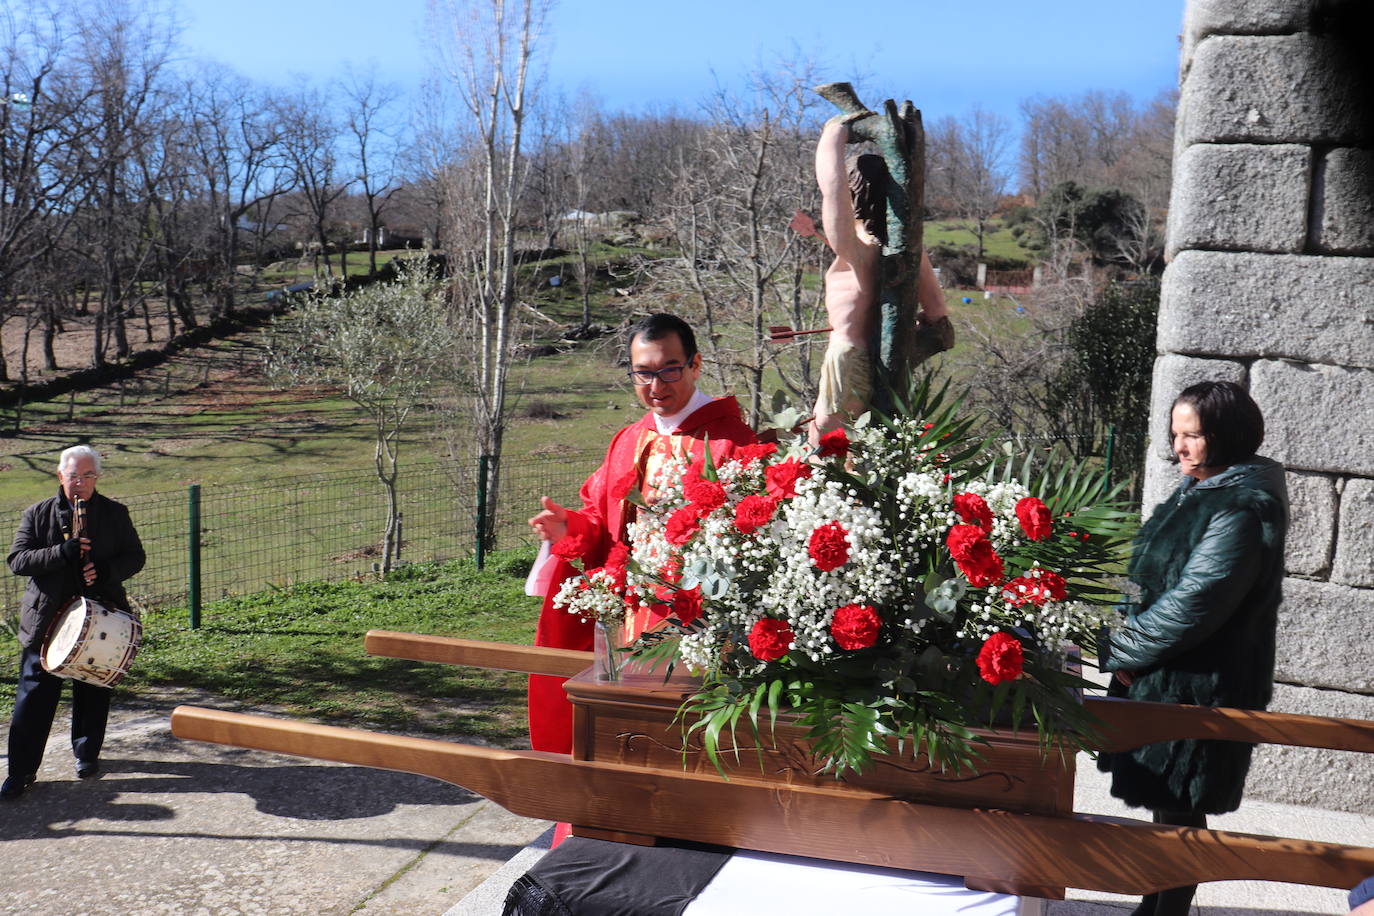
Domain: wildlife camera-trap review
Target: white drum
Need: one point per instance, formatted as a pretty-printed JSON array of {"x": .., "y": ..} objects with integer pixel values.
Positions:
[{"x": 92, "y": 643}]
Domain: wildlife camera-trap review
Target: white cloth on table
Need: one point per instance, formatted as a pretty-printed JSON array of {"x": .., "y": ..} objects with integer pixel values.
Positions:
[{"x": 764, "y": 884}]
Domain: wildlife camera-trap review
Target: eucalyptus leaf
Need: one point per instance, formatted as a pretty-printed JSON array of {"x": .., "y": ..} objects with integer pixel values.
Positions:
[{"x": 714, "y": 586}]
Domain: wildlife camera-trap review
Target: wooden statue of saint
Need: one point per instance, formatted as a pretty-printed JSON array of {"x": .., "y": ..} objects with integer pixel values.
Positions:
[{"x": 887, "y": 312}]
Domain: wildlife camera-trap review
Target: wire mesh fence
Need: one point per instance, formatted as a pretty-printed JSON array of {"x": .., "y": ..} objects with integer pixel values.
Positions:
[{"x": 324, "y": 526}]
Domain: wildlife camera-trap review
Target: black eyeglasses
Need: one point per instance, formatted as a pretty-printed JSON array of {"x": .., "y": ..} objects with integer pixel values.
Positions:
[{"x": 667, "y": 375}]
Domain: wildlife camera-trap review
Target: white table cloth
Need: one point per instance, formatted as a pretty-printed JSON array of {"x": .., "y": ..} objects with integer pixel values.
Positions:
[{"x": 766, "y": 884}]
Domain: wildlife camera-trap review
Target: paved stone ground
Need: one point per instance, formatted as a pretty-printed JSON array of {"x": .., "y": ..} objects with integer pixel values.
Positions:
[{"x": 177, "y": 827}]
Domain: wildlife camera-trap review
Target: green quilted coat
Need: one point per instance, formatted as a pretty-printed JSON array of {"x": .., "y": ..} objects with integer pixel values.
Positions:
[{"x": 1209, "y": 566}]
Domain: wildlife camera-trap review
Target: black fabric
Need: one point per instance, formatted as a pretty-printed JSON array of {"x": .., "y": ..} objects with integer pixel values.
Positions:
[
  {"x": 527, "y": 897},
  {"x": 41, "y": 551},
  {"x": 35, "y": 706},
  {"x": 585, "y": 877}
]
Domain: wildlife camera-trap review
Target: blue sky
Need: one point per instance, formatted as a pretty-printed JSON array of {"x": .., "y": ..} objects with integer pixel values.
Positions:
[{"x": 946, "y": 56}]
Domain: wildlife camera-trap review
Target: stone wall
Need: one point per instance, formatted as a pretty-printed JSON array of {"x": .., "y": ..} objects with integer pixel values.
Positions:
[{"x": 1271, "y": 284}]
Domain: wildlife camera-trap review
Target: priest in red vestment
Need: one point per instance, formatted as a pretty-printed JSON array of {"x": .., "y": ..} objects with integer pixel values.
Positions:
[{"x": 664, "y": 367}]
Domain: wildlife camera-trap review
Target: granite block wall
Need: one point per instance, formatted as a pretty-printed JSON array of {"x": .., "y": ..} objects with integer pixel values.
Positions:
[{"x": 1271, "y": 284}]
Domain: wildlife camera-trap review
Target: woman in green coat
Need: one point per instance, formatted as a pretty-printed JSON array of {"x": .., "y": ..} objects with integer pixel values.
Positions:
[{"x": 1209, "y": 566}]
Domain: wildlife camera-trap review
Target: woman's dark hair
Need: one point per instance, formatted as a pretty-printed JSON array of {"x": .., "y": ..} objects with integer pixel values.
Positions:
[
  {"x": 868, "y": 180},
  {"x": 659, "y": 326},
  {"x": 1231, "y": 422}
]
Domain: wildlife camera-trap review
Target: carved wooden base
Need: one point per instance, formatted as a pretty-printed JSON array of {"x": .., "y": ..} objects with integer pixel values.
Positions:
[{"x": 631, "y": 722}]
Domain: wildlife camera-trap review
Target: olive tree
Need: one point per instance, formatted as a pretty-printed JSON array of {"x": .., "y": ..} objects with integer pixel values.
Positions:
[{"x": 386, "y": 346}]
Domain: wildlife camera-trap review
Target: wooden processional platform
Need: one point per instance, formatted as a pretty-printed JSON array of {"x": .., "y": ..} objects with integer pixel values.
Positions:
[{"x": 1010, "y": 827}]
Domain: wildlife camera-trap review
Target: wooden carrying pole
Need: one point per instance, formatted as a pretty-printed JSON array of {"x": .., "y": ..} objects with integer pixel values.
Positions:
[
  {"x": 1126, "y": 724},
  {"x": 991, "y": 849},
  {"x": 479, "y": 654}
]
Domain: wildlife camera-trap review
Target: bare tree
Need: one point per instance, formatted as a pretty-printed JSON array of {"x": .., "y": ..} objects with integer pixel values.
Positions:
[
  {"x": 979, "y": 144},
  {"x": 310, "y": 142},
  {"x": 370, "y": 108},
  {"x": 487, "y": 48},
  {"x": 1011, "y": 375},
  {"x": 177, "y": 213},
  {"x": 1095, "y": 139},
  {"x": 734, "y": 198},
  {"x": 640, "y": 153},
  {"x": 122, "y": 51},
  {"x": 942, "y": 164},
  {"x": 44, "y": 175},
  {"x": 585, "y": 159},
  {"x": 434, "y": 150},
  {"x": 238, "y": 145}
]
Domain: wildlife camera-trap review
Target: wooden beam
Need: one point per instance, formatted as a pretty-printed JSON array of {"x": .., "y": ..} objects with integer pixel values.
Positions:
[
  {"x": 505, "y": 656},
  {"x": 990, "y": 848},
  {"x": 1131, "y": 724},
  {"x": 1127, "y": 723}
]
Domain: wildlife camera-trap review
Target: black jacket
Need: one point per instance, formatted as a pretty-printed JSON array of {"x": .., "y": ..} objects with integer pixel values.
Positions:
[
  {"x": 1209, "y": 565},
  {"x": 41, "y": 551}
]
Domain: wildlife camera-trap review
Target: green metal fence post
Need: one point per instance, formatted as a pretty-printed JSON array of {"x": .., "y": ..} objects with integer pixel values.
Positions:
[
  {"x": 193, "y": 553},
  {"x": 482, "y": 471}
]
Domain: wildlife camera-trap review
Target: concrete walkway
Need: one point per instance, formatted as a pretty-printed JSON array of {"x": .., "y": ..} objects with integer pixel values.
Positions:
[{"x": 176, "y": 827}]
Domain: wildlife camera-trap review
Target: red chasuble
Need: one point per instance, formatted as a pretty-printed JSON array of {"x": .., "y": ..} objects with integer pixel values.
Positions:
[{"x": 634, "y": 455}]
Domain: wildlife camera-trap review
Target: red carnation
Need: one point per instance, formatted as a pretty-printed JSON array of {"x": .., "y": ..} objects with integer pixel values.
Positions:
[
  {"x": 1001, "y": 659},
  {"x": 770, "y": 639},
  {"x": 571, "y": 547},
  {"x": 829, "y": 546},
  {"x": 1035, "y": 587},
  {"x": 1034, "y": 517},
  {"x": 753, "y": 512},
  {"x": 973, "y": 553},
  {"x": 687, "y": 604},
  {"x": 682, "y": 526},
  {"x": 783, "y": 478},
  {"x": 618, "y": 556},
  {"x": 855, "y": 626},
  {"x": 834, "y": 443},
  {"x": 705, "y": 495},
  {"x": 973, "y": 509},
  {"x": 751, "y": 453}
]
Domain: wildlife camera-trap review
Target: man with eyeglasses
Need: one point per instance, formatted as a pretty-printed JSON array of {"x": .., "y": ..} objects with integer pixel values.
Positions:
[
  {"x": 664, "y": 367},
  {"x": 61, "y": 567}
]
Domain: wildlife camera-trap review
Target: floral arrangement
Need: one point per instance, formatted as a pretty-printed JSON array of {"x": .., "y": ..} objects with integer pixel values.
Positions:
[{"x": 902, "y": 583}]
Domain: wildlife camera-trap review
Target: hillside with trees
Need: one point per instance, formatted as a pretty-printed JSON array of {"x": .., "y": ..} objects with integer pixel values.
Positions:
[{"x": 144, "y": 194}]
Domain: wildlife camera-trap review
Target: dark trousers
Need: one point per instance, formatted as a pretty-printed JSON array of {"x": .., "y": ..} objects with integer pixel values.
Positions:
[
  {"x": 1176, "y": 901},
  {"x": 35, "y": 705}
]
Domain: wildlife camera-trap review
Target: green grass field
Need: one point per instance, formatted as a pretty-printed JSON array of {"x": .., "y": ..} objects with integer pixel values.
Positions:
[
  {"x": 299, "y": 651},
  {"x": 998, "y": 242}
]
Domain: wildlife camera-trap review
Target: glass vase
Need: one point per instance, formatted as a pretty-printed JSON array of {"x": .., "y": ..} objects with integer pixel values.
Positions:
[{"x": 608, "y": 648}]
